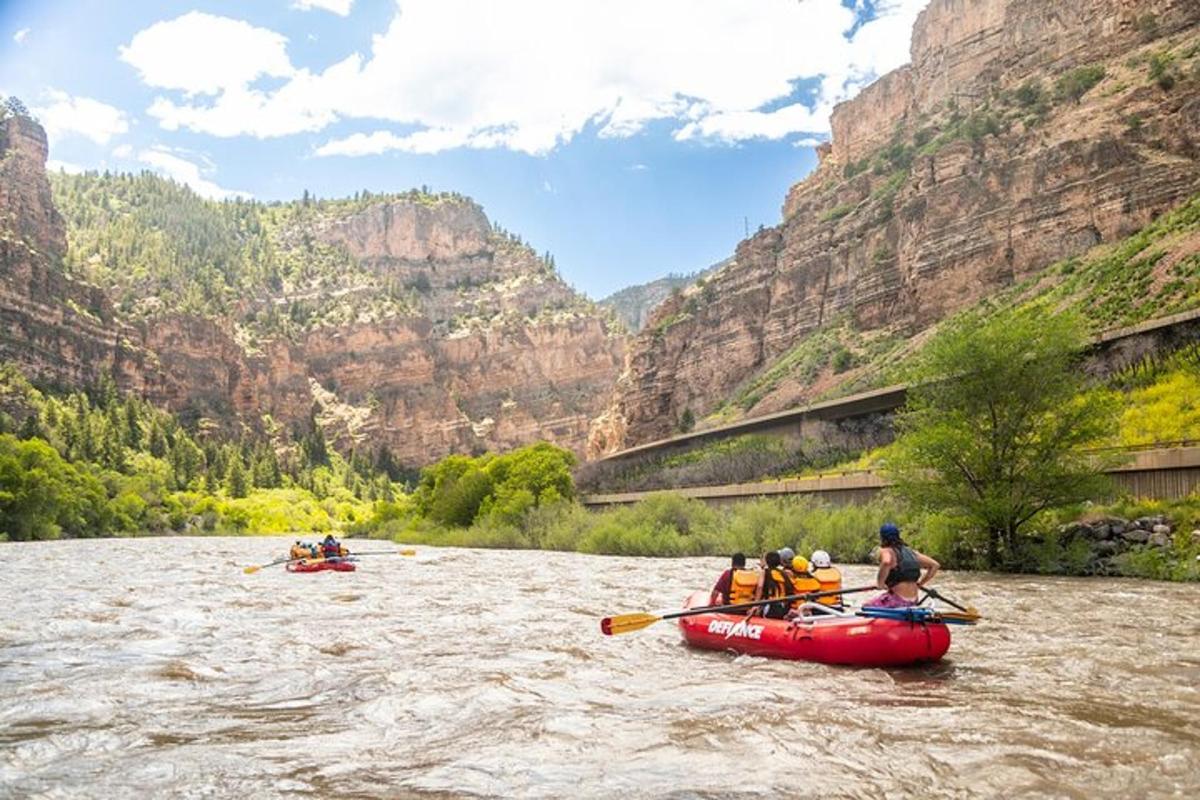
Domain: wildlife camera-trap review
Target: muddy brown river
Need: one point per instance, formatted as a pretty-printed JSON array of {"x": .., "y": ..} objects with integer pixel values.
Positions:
[{"x": 156, "y": 668}]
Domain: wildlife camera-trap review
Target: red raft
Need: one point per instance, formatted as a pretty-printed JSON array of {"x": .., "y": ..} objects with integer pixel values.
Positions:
[
  {"x": 824, "y": 638},
  {"x": 320, "y": 565}
]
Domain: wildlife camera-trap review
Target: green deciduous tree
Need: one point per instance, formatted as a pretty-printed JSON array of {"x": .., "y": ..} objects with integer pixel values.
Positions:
[{"x": 997, "y": 422}]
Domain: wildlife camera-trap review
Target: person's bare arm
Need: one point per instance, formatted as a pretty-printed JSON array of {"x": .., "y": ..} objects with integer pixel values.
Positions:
[
  {"x": 887, "y": 560},
  {"x": 930, "y": 566}
]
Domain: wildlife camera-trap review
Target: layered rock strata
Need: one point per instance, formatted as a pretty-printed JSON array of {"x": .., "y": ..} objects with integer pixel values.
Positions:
[{"x": 968, "y": 170}]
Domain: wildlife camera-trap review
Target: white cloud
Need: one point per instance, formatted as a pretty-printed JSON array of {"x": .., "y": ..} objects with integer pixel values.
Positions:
[
  {"x": 122, "y": 151},
  {"x": 809, "y": 141},
  {"x": 200, "y": 53},
  {"x": 529, "y": 75},
  {"x": 339, "y": 7},
  {"x": 54, "y": 165},
  {"x": 82, "y": 116},
  {"x": 174, "y": 166},
  {"x": 637, "y": 168},
  {"x": 20, "y": 36}
]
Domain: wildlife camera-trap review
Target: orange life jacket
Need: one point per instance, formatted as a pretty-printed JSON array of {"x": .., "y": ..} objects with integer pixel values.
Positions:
[
  {"x": 299, "y": 551},
  {"x": 803, "y": 582},
  {"x": 779, "y": 582},
  {"x": 742, "y": 583},
  {"x": 830, "y": 579}
]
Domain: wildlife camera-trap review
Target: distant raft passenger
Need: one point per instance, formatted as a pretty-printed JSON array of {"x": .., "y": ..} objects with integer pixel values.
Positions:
[{"x": 900, "y": 571}]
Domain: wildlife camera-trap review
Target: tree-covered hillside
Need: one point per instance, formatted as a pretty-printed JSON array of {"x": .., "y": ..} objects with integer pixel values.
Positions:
[
  {"x": 157, "y": 247},
  {"x": 96, "y": 462}
]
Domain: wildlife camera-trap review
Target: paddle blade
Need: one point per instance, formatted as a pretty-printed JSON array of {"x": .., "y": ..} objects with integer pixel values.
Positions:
[
  {"x": 626, "y": 623},
  {"x": 408, "y": 552},
  {"x": 251, "y": 570}
]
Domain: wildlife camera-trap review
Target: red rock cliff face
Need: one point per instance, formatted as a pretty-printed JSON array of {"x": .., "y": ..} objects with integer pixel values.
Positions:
[
  {"x": 988, "y": 194},
  {"x": 497, "y": 352},
  {"x": 54, "y": 327}
]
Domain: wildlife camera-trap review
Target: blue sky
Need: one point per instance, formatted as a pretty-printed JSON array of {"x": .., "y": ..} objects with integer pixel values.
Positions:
[{"x": 629, "y": 138}]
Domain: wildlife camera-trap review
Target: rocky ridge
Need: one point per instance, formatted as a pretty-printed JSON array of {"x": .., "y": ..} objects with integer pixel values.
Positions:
[
  {"x": 438, "y": 333},
  {"x": 634, "y": 305},
  {"x": 1021, "y": 134}
]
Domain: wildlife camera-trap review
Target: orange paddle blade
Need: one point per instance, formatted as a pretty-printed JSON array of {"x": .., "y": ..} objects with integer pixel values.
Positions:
[{"x": 626, "y": 623}]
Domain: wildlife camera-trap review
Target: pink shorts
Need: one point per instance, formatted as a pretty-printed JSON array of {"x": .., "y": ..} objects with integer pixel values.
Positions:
[{"x": 888, "y": 600}]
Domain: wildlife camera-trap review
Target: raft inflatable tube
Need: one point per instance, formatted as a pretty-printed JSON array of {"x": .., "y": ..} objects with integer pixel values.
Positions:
[
  {"x": 827, "y": 639},
  {"x": 321, "y": 565}
]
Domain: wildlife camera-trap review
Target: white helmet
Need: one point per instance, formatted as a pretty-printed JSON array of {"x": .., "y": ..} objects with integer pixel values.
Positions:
[{"x": 820, "y": 559}]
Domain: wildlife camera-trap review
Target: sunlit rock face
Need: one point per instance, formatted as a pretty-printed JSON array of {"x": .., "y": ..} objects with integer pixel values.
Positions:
[{"x": 949, "y": 179}]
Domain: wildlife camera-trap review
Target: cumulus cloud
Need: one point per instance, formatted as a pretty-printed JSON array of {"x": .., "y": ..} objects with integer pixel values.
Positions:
[
  {"x": 173, "y": 165},
  {"x": 529, "y": 75},
  {"x": 20, "y": 36},
  {"x": 339, "y": 7},
  {"x": 66, "y": 116},
  {"x": 204, "y": 54}
]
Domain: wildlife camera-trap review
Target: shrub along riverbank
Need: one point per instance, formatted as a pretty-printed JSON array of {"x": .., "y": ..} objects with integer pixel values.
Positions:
[{"x": 1079, "y": 540}]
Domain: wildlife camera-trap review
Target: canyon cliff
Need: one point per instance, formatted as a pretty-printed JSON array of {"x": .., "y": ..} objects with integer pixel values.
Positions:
[
  {"x": 402, "y": 320},
  {"x": 1021, "y": 134}
]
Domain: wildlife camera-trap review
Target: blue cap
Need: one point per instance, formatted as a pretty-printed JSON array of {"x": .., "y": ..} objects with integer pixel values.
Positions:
[{"x": 889, "y": 531}]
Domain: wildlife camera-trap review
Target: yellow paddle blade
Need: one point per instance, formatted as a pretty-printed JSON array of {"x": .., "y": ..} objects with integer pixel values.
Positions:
[
  {"x": 972, "y": 616},
  {"x": 251, "y": 570},
  {"x": 626, "y": 623},
  {"x": 408, "y": 552}
]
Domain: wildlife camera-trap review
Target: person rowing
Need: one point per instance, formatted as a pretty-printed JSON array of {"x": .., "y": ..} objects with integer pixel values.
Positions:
[{"x": 900, "y": 571}]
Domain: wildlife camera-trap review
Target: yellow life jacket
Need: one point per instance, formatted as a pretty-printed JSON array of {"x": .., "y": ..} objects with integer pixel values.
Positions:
[
  {"x": 803, "y": 582},
  {"x": 779, "y": 584},
  {"x": 830, "y": 579},
  {"x": 343, "y": 551},
  {"x": 742, "y": 584},
  {"x": 299, "y": 551}
]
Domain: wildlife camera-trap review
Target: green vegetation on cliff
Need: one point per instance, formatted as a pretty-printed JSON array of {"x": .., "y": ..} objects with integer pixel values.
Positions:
[{"x": 157, "y": 248}]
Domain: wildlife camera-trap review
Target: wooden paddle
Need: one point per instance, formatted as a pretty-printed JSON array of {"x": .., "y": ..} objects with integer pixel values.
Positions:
[
  {"x": 405, "y": 552},
  {"x": 627, "y": 623}
]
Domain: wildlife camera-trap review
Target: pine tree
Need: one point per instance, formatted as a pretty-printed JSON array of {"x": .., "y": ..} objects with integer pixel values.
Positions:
[{"x": 235, "y": 478}]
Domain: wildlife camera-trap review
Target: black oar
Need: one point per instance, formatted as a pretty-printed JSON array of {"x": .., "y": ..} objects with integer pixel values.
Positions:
[
  {"x": 936, "y": 595},
  {"x": 626, "y": 623}
]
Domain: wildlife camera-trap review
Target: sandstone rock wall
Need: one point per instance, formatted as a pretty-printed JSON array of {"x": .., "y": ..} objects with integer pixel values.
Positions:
[
  {"x": 889, "y": 250},
  {"x": 499, "y": 352}
]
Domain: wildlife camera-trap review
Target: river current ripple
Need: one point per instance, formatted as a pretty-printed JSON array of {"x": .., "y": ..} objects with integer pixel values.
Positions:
[{"x": 156, "y": 668}]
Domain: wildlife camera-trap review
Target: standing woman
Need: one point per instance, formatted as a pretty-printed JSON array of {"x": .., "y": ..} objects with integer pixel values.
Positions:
[{"x": 900, "y": 571}]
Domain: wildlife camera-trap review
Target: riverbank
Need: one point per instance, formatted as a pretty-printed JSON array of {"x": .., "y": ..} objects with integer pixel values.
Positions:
[{"x": 1160, "y": 541}]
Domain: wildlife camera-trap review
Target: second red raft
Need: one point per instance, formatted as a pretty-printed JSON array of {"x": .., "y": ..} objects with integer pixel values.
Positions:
[
  {"x": 320, "y": 565},
  {"x": 849, "y": 640}
]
